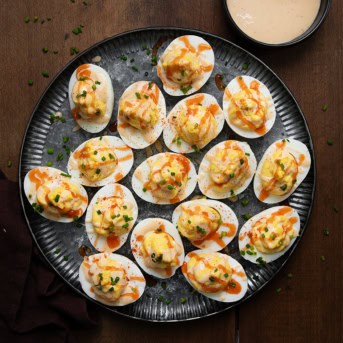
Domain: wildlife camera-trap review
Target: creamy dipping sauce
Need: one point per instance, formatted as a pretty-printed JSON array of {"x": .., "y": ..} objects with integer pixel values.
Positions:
[{"x": 273, "y": 21}]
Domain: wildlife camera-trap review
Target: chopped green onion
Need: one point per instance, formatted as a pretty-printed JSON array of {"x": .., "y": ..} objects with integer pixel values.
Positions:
[
  {"x": 45, "y": 50},
  {"x": 59, "y": 157},
  {"x": 138, "y": 96},
  {"x": 57, "y": 197},
  {"x": 283, "y": 187},
  {"x": 183, "y": 300},
  {"x": 27, "y": 20},
  {"x": 134, "y": 68},
  {"x": 65, "y": 139},
  {"x": 245, "y": 202},
  {"x": 66, "y": 175},
  {"x": 185, "y": 89},
  {"x": 329, "y": 142},
  {"x": 245, "y": 66},
  {"x": 325, "y": 107},
  {"x": 123, "y": 57},
  {"x": 144, "y": 189},
  {"x": 45, "y": 73},
  {"x": 74, "y": 51},
  {"x": 50, "y": 151},
  {"x": 98, "y": 171},
  {"x": 30, "y": 82},
  {"x": 49, "y": 164}
]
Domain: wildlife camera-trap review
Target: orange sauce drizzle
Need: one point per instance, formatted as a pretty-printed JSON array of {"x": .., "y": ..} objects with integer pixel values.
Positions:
[
  {"x": 113, "y": 241},
  {"x": 118, "y": 176},
  {"x": 125, "y": 158},
  {"x": 234, "y": 287},
  {"x": 122, "y": 148},
  {"x": 118, "y": 191},
  {"x": 198, "y": 99},
  {"x": 137, "y": 278},
  {"x": 124, "y": 125},
  {"x": 232, "y": 229},
  {"x": 38, "y": 177},
  {"x": 134, "y": 295},
  {"x": 301, "y": 159}
]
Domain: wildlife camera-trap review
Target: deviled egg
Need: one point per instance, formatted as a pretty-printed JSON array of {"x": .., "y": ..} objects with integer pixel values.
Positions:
[
  {"x": 100, "y": 160},
  {"x": 215, "y": 275},
  {"x": 157, "y": 247},
  {"x": 111, "y": 279},
  {"x": 110, "y": 216},
  {"x": 186, "y": 65},
  {"x": 269, "y": 234},
  {"x": 141, "y": 114},
  {"x": 208, "y": 224},
  {"x": 165, "y": 178},
  {"x": 281, "y": 170},
  {"x": 226, "y": 170},
  {"x": 248, "y": 107},
  {"x": 55, "y": 195},
  {"x": 91, "y": 97},
  {"x": 193, "y": 123}
]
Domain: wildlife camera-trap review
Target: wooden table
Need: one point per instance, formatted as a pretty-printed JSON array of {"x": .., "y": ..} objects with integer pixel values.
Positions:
[{"x": 309, "y": 306}]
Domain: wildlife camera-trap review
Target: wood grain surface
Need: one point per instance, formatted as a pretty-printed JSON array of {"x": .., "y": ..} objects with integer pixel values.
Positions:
[{"x": 309, "y": 306}]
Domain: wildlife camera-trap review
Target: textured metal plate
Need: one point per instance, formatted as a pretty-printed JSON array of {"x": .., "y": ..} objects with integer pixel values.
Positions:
[{"x": 161, "y": 300}]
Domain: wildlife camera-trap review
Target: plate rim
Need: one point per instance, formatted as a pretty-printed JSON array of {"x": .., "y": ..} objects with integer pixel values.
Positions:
[{"x": 156, "y": 29}]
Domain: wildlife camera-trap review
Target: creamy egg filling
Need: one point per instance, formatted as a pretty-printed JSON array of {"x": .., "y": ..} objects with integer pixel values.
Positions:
[
  {"x": 160, "y": 250},
  {"x": 168, "y": 176},
  {"x": 229, "y": 168},
  {"x": 112, "y": 216},
  {"x": 196, "y": 125},
  {"x": 209, "y": 272},
  {"x": 139, "y": 109},
  {"x": 196, "y": 222},
  {"x": 96, "y": 161},
  {"x": 108, "y": 279},
  {"x": 248, "y": 110},
  {"x": 181, "y": 65},
  {"x": 90, "y": 94},
  {"x": 63, "y": 199},
  {"x": 273, "y": 234},
  {"x": 279, "y": 173}
]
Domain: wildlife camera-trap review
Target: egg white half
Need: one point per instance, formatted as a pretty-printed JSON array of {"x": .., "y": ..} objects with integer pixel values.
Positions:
[
  {"x": 140, "y": 139},
  {"x": 226, "y": 235},
  {"x": 97, "y": 124},
  {"x": 131, "y": 269},
  {"x": 170, "y": 133},
  {"x": 243, "y": 238},
  {"x": 99, "y": 242},
  {"x": 173, "y": 88},
  {"x": 55, "y": 178},
  {"x": 205, "y": 181},
  {"x": 238, "y": 275},
  {"x": 233, "y": 87},
  {"x": 142, "y": 229},
  {"x": 141, "y": 175},
  {"x": 120, "y": 149},
  {"x": 294, "y": 147}
]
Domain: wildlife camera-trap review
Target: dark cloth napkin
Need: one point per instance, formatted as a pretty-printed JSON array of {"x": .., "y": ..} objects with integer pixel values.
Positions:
[{"x": 35, "y": 304}]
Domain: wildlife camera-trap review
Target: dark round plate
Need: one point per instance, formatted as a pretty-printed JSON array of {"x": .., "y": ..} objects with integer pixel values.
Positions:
[{"x": 59, "y": 243}]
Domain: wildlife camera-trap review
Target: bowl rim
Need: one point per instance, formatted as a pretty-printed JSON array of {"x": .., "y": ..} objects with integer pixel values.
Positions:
[{"x": 305, "y": 35}]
